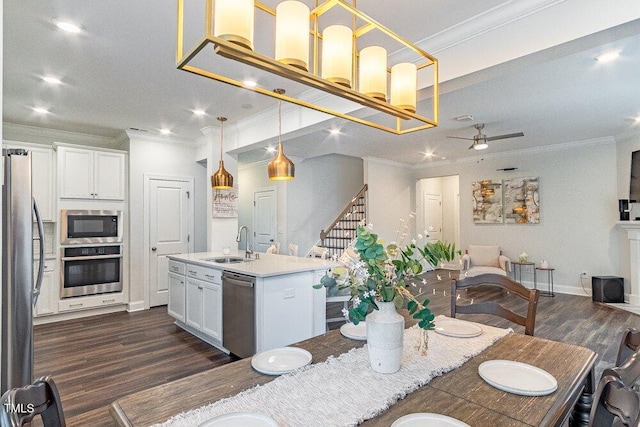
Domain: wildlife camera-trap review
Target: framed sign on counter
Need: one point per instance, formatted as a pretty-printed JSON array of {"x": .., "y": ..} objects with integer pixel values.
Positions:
[{"x": 225, "y": 203}]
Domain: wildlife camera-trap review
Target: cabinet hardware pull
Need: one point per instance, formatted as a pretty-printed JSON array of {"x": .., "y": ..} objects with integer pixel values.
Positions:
[
  {"x": 199, "y": 287},
  {"x": 108, "y": 300},
  {"x": 76, "y": 305},
  {"x": 193, "y": 272}
]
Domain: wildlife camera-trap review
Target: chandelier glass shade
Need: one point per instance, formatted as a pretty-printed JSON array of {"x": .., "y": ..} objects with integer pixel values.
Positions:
[
  {"x": 327, "y": 56},
  {"x": 221, "y": 179}
]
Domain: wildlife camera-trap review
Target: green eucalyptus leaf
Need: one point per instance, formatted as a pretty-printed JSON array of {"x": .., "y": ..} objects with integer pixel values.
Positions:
[{"x": 412, "y": 307}]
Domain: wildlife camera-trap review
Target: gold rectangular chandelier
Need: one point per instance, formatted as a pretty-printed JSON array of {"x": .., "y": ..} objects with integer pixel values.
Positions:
[{"x": 338, "y": 65}]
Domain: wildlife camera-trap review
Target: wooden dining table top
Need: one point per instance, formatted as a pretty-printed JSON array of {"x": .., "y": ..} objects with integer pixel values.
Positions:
[{"x": 460, "y": 393}]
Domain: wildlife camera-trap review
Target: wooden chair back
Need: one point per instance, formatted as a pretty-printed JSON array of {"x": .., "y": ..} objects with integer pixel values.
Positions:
[
  {"x": 492, "y": 307},
  {"x": 612, "y": 400},
  {"x": 629, "y": 344},
  {"x": 21, "y": 405}
]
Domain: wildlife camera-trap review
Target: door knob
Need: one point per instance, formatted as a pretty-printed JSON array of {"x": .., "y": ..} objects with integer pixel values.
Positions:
[{"x": 154, "y": 249}]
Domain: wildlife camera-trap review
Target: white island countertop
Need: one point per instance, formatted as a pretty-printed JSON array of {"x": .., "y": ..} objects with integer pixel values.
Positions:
[{"x": 268, "y": 264}]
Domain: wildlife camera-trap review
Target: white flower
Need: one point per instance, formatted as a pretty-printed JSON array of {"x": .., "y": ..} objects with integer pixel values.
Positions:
[
  {"x": 413, "y": 241},
  {"x": 419, "y": 236},
  {"x": 356, "y": 301},
  {"x": 370, "y": 226},
  {"x": 424, "y": 281},
  {"x": 345, "y": 312}
]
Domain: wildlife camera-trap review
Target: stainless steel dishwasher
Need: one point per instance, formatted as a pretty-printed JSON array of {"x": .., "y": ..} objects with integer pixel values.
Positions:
[{"x": 238, "y": 314}]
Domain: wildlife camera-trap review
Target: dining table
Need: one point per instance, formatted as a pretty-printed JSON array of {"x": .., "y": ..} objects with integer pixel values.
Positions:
[{"x": 460, "y": 393}]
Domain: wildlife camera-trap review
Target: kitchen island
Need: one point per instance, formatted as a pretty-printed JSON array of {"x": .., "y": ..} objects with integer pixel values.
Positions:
[{"x": 286, "y": 307}]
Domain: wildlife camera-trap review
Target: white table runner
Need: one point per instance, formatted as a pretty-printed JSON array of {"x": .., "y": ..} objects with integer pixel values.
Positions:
[{"x": 344, "y": 390}]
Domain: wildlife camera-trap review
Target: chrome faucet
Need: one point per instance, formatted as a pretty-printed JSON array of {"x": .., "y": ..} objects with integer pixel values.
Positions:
[{"x": 248, "y": 251}]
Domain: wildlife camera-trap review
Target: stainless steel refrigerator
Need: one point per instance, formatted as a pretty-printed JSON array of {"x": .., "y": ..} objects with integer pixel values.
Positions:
[{"x": 19, "y": 292}]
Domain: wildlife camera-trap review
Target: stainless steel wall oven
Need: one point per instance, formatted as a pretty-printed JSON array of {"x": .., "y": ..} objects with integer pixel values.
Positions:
[
  {"x": 90, "y": 270},
  {"x": 84, "y": 227}
]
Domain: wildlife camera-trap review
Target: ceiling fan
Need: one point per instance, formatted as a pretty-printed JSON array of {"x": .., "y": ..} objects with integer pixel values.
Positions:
[{"x": 480, "y": 140}]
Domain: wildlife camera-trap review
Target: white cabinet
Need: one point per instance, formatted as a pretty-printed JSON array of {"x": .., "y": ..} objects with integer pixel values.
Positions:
[
  {"x": 176, "y": 307},
  {"x": 48, "y": 298},
  {"x": 42, "y": 173},
  {"x": 91, "y": 174},
  {"x": 204, "y": 307},
  {"x": 195, "y": 299},
  {"x": 212, "y": 310}
]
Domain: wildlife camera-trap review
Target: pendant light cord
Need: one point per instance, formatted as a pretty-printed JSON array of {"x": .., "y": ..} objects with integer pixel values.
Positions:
[
  {"x": 221, "y": 136},
  {"x": 279, "y": 121}
]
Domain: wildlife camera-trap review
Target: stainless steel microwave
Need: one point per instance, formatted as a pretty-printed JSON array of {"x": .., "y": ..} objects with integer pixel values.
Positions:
[{"x": 82, "y": 227}]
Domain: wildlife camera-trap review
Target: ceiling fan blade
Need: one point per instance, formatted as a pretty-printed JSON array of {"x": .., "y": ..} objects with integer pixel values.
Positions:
[
  {"x": 509, "y": 135},
  {"x": 472, "y": 145},
  {"x": 458, "y": 137}
]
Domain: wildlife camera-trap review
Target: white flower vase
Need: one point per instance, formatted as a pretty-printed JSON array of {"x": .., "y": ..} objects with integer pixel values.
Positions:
[{"x": 385, "y": 332}]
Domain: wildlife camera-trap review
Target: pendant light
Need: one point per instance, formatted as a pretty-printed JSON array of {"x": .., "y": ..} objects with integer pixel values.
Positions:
[
  {"x": 280, "y": 168},
  {"x": 221, "y": 180}
]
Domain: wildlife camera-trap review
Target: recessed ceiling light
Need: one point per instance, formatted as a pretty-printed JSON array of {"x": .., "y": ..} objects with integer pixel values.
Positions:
[
  {"x": 334, "y": 131},
  {"x": 637, "y": 119},
  {"x": 199, "y": 112},
  {"x": 428, "y": 154},
  {"x": 608, "y": 56},
  {"x": 68, "y": 26},
  {"x": 465, "y": 118},
  {"x": 271, "y": 149},
  {"x": 52, "y": 80},
  {"x": 40, "y": 110},
  {"x": 250, "y": 83},
  {"x": 165, "y": 131}
]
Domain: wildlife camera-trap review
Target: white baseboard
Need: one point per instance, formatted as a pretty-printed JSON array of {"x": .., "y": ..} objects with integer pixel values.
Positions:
[{"x": 135, "y": 306}]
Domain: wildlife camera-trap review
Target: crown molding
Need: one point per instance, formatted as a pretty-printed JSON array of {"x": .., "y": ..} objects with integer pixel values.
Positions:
[
  {"x": 631, "y": 134},
  {"x": 524, "y": 152},
  {"x": 40, "y": 135},
  {"x": 133, "y": 135}
]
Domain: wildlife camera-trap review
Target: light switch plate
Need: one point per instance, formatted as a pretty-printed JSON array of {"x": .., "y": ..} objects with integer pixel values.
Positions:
[{"x": 290, "y": 293}]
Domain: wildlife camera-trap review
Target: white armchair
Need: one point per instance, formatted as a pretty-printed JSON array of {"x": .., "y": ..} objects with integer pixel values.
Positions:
[{"x": 483, "y": 259}]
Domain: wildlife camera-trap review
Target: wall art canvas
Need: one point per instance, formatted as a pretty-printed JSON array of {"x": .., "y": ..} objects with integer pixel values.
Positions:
[
  {"x": 521, "y": 201},
  {"x": 225, "y": 203},
  {"x": 487, "y": 202}
]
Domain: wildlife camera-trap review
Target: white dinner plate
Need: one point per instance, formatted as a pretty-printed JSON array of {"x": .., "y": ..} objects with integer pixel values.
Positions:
[
  {"x": 457, "y": 328},
  {"x": 517, "y": 377},
  {"x": 241, "y": 419},
  {"x": 280, "y": 360},
  {"x": 355, "y": 332},
  {"x": 427, "y": 419}
]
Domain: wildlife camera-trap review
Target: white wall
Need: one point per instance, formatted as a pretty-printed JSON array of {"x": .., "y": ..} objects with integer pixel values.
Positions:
[
  {"x": 321, "y": 190},
  {"x": 578, "y": 204},
  {"x": 391, "y": 198},
  {"x": 149, "y": 156}
]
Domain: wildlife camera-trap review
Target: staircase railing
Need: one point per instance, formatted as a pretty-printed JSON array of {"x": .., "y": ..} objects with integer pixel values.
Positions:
[{"x": 342, "y": 230}]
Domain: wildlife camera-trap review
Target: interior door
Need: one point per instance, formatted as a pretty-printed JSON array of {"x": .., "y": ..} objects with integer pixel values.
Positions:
[
  {"x": 264, "y": 219},
  {"x": 171, "y": 211},
  {"x": 433, "y": 216}
]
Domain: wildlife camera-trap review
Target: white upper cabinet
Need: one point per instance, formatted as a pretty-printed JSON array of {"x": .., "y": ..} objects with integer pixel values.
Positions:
[
  {"x": 42, "y": 173},
  {"x": 91, "y": 174}
]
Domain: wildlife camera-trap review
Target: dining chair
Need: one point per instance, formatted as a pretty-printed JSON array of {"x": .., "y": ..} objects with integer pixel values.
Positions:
[
  {"x": 614, "y": 403},
  {"x": 21, "y": 405},
  {"x": 629, "y": 344},
  {"x": 293, "y": 249},
  {"x": 272, "y": 250},
  {"x": 492, "y": 307}
]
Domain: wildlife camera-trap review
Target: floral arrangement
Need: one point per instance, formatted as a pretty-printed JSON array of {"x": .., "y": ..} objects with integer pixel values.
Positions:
[{"x": 373, "y": 272}]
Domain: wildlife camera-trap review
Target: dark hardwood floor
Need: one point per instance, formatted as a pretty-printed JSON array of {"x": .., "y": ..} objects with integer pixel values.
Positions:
[{"x": 96, "y": 360}]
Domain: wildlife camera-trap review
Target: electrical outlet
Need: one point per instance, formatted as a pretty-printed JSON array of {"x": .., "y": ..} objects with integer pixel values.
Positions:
[{"x": 583, "y": 274}]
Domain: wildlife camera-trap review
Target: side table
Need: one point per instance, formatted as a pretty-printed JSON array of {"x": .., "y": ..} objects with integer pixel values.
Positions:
[
  {"x": 517, "y": 270},
  {"x": 549, "y": 292}
]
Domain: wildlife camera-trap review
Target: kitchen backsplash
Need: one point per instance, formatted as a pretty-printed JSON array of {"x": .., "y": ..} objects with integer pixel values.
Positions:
[{"x": 49, "y": 232}]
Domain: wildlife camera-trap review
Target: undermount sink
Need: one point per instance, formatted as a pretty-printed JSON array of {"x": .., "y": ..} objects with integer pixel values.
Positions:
[{"x": 226, "y": 260}]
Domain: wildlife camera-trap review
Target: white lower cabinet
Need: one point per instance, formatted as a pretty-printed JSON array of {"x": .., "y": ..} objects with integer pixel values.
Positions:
[
  {"x": 48, "y": 299},
  {"x": 195, "y": 300},
  {"x": 176, "y": 307},
  {"x": 204, "y": 307}
]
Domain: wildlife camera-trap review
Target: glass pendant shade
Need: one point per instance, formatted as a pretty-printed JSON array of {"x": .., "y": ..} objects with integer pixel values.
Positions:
[
  {"x": 292, "y": 34},
  {"x": 337, "y": 54},
  {"x": 372, "y": 77},
  {"x": 233, "y": 21},
  {"x": 404, "y": 82},
  {"x": 281, "y": 168},
  {"x": 222, "y": 179}
]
